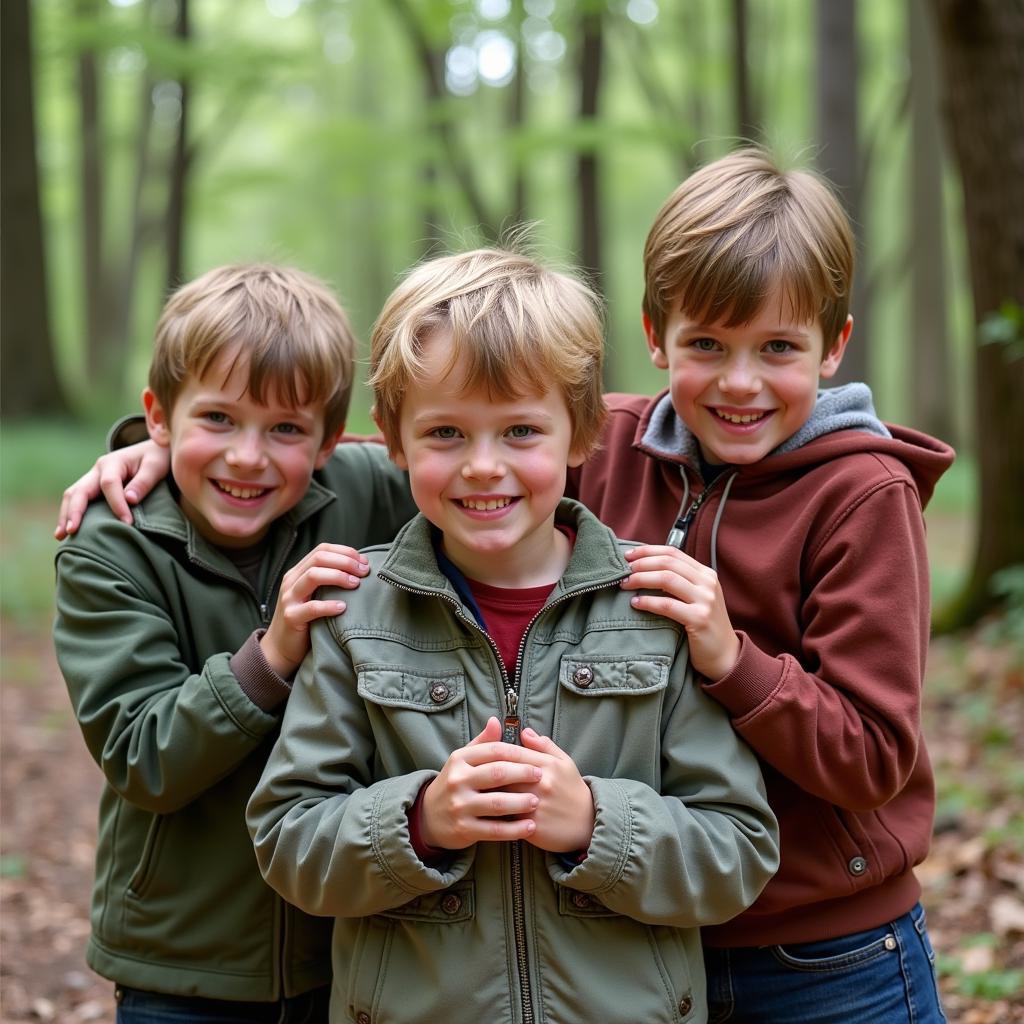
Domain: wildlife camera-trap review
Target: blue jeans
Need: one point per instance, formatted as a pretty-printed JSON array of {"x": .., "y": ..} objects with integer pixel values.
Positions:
[
  {"x": 885, "y": 975},
  {"x": 137, "y": 1007}
]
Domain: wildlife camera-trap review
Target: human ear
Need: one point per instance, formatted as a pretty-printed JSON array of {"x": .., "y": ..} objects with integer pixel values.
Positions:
[
  {"x": 834, "y": 356},
  {"x": 328, "y": 446},
  {"x": 395, "y": 452},
  {"x": 158, "y": 422},
  {"x": 654, "y": 345}
]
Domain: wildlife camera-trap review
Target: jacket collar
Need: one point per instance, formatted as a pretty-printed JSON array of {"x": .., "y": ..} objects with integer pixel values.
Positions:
[
  {"x": 595, "y": 560},
  {"x": 159, "y": 514}
]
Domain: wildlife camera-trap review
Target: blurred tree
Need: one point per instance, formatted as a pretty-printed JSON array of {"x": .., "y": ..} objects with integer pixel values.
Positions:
[
  {"x": 428, "y": 37},
  {"x": 590, "y": 65},
  {"x": 930, "y": 371},
  {"x": 30, "y": 385},
  {"x": 839, "y": 151},
  {"x": 981, "y": 43},
  {"x": 748, "y": 124},
  {"x": 180, "y": 163}
]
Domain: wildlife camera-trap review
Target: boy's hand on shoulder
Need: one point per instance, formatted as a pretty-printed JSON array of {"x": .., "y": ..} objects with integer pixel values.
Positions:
[
  {"x": 564, "y": 815},
  {"x": 286, "y": 640},
  {"x": 690, "y": 594},
  {"x": 124, "y": 477},
  {"x": 482, "y": 794}
]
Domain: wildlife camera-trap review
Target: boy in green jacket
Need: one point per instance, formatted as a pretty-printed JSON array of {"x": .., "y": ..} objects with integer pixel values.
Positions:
[
  {"x": 500, "y": 778},
  {"x": 178, "y": 635}
]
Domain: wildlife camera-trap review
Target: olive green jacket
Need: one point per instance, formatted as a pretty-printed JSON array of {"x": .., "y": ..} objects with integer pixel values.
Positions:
[
  {"x": 147, "y": 620},
  {"x": 505, "y": 932}
]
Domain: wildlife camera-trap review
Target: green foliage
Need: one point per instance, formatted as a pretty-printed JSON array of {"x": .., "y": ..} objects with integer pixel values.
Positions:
[
  {"x": 39, "y": 459},
  {"x": 1005, "y": 327},
  {"x": 990, "y": 984},
  {"x": 1008, "y": 628}
]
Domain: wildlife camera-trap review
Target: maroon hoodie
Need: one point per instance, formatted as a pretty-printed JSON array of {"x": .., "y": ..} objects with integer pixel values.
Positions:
[{"x": 821, "y": 555}]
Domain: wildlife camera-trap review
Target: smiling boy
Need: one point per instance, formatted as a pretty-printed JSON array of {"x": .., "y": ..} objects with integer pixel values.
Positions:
[
  {"x": 177, "y": 635},
  {"x": 784, "y": 532},
  {"x": 495, "y": 773}
]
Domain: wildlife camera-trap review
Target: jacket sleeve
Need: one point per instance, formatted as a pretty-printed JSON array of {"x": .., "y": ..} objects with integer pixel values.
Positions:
[
  {"x": 699, "y": 851},
  {"x": 161, "y": 733},
  {"x": 328, "y": 838},
  {"x": 847, "y": 726}
]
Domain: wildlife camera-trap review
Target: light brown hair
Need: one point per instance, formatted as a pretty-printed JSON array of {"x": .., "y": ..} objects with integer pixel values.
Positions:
[
  {"x": 285, "y": 326},
  {"x": 516, "y": 327},
  {"x": 737, "y": 229}
]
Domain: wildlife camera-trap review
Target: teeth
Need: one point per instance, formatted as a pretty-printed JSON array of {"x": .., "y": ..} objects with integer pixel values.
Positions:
[
  {"x": 480, "y": 505},
  {"x": 745, "y": 418},
  {"x": 242, "y": 492}
]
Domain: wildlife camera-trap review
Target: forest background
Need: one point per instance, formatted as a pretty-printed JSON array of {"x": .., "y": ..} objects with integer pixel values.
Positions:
[{"x": 145, "y": 141}]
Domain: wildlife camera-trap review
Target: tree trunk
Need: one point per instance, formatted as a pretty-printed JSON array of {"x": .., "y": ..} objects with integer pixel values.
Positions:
[
  {"x": 839, "y": 153},
  {"x": 94, "y": 283},
  {"x": 433, "y": 80},
  {"x": 517, "y": 116},
  {"x": 747, "y": 124},
  {"x": 931, "y": 385},
  {"x": 981, "y": 46},
  {"x": 589, "y": 69},
  {"x": 178, "y": 173},
  {"x": 30, "y": 386}
]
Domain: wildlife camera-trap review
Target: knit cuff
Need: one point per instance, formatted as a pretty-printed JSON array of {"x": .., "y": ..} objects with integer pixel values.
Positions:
[{"x": 259, "y": 682}]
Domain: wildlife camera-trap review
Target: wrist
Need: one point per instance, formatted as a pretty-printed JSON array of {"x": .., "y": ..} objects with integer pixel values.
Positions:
[{"x": 285, "y": 667}]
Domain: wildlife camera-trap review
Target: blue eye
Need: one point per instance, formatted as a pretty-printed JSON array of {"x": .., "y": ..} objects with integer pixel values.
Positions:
[
  {"x": 216, "y": 417},
  {"x": 779, "y": 346},
  {"x": 445, "y": 433},
  {"x": 288, "y": 428},
  {"x": 521, "y": 431},
  {"x": 704, "y": 344}
]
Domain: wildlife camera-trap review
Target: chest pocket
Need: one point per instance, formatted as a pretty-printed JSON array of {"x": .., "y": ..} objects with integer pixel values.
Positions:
[
  {"x": 608, "y": 715},
  {"x": 418, "y": 718}
]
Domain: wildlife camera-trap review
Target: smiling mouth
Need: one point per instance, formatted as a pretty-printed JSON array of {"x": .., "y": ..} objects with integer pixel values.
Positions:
[
  {"x": 243, "y": 493},
  {"x": 741, "y": 418},
  {"x": 485, "y": 504}
]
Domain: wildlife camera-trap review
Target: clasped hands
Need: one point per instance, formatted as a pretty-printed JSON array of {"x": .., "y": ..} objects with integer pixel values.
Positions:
[{"x": 490, "y": 791}]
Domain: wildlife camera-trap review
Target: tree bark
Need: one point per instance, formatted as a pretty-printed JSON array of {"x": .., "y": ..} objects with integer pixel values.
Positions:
[
  {"x": 931, "y": 385},
  {"x": 747, "y": 124},
  {"x": 94, "y": 283},
  {"x": 839, "y": 152},
  {"x": 30, "y": 385},
  {"x": 179, "y": 169},
  {"x": 981, "y": 46},
  {"x": 589, "y": 68}
]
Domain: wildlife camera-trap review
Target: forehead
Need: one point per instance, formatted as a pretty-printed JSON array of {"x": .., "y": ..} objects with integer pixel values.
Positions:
[
  {"x": 445, "y": 388},
  {"x": 228, "y": 378}
]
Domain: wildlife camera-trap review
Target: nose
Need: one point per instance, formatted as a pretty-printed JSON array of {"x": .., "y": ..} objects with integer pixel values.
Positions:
[
  {"x": 739, "y": 376},
  {"x": 483, "y": 462},
  {"x": 246, "y": 451}
]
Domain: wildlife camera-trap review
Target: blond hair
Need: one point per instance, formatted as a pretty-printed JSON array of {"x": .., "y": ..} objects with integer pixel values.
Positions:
[
  {"x": 284, "y": 326},
  {"x": 516, "y": 327},
  {"x": 737, "y": 229}
]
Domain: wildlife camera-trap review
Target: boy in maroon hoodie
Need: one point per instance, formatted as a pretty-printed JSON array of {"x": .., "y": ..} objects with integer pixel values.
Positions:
[{"x": 783, "y": 528}]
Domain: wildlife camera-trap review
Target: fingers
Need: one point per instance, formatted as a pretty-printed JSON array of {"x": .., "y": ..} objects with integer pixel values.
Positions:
[
  {"x": 489, "y": 734},
  {"x": 74, "y": 502}
]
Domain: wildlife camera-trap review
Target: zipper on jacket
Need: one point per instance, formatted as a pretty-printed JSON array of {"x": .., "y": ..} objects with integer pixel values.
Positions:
[
  {"x": 510, "y": 734},
  {"x": 681, "y": 527}
]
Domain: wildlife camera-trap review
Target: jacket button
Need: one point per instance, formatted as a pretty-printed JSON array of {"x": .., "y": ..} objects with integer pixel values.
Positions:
[
  {"x": 583, "y": 676},
  {"x": 685, "y": 1005},
  {"x": 857, "y": 865},
  {"x": 451, "y": 904},
  {"x": 362, "y": 1018},
  {"x": 439, "y": 693},
  {"x": 580, "y": 900}
]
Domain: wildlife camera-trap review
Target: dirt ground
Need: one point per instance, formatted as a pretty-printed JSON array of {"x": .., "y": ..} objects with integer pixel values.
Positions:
[{"x": 49, "y": 786}]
